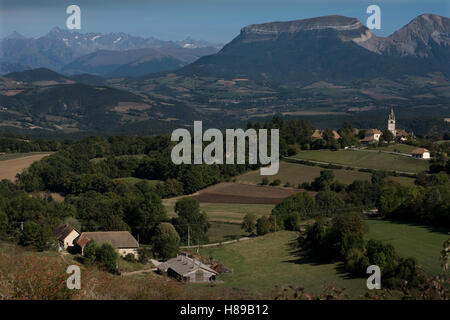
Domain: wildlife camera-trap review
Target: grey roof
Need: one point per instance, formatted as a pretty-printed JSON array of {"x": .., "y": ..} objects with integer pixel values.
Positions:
[
  {"x": 62, "y": 231},
  {"x": 184, "y": 265},
  {"x": 118, "y": 239}
]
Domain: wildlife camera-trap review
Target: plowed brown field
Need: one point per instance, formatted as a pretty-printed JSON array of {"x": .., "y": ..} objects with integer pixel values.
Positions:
[
  {"x": 9, "y": 168},
  {"x": 230, "y": 192}
]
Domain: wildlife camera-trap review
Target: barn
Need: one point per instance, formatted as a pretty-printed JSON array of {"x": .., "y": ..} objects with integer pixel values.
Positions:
[{"x": 184, "y": 268}]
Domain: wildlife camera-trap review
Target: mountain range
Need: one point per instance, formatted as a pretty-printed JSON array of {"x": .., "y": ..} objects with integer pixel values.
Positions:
[
  {"x": 327, "y": 70},
  {"x": 66, "y": 51},
  {"x": 330, "y": 48}
]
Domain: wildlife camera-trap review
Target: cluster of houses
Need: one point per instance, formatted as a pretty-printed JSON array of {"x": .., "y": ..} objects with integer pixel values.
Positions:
[
  {"x": 372, "y": 136},
  {"x": 182, "y": 268}
]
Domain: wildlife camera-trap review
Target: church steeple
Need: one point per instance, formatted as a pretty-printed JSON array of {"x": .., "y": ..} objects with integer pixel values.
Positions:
[
  {"x": 391, "y": 122},
  {"x": 392, "y": 115}
]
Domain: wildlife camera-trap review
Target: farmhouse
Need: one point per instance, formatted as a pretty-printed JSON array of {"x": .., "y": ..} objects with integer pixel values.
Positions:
[
  {"x": 188, "y": 269},
  {"x": 123, "y": 241},
  {"x": 371, "y": 136},
  {"x": 421, "y": 153},
  {"x": 65, "y": 235}
]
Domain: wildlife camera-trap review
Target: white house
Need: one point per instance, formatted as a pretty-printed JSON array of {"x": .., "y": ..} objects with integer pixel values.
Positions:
[
  {"x": 122, "y": 241},
  {"x": 371, "y": 136},
  {"x": 421, "y": 153},
  {"x": 65, "y": 235}
]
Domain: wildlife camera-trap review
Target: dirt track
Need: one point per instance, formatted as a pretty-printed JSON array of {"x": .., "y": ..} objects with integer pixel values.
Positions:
[{"x": 9, "y": 168}]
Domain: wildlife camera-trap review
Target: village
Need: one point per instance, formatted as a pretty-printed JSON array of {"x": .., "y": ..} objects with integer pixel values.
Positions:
[
  {"x": 183, "y": 267},
  {"x": 370, "y": 137}
]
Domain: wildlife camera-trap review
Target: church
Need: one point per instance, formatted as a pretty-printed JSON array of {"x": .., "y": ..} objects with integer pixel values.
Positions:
[
  {"x": 391, "y": 123},
  {"x": 402, "y": 134}
]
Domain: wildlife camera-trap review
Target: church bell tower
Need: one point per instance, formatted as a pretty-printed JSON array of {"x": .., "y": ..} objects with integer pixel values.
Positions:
[{"x": 391, "y": 122}]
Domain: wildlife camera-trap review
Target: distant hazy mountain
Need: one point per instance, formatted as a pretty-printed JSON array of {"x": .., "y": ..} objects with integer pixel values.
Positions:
[
  {"x": 8, "y": 67},
  {"x": 60, "y": 47},
  {"x": 331, "y": 48},
  {"x": 135, "y": 62},
  {"x": 37, "y": 75}
]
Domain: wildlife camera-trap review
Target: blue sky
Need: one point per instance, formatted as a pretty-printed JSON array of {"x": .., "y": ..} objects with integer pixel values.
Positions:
[{"x": 213, "y": 20}]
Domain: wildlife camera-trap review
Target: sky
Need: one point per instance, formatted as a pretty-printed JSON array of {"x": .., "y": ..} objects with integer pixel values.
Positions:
[{"x": 213, "y": 20}]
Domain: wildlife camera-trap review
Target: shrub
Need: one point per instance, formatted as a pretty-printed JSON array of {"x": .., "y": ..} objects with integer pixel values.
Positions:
[
  {"x": 356, "y": 262},
  {"x": 263, "y": 226},
  {"x": 130, "y": 258},
  {"x": 249, "y": 223},
  {"x": 276, "y": 182},
  {"x": 144, "y": 254}
]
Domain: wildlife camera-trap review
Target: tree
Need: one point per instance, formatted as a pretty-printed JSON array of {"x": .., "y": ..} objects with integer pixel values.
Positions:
[
  {"x": 378, "y": 177},
  {"x": 190, "y": 221},
  {"x": 387, "y": 136},
  {"x": 263, "y": 226},
  {"x": 145, "y": 215},
  {"x": 3, "y": 224},
  {"x": 289, "y": 212},
  {"x": 328, "y": 202},
  {"x": 249, "y": 223},
  {"x": 74, "y": 223},
  {"x": 30, "y": 234},
  {"x": 324, "y": 181},
  {"x": 107, "y": 256},
  {"x": 90, "y": 251},
  {"x": 347, "y": 232},
  {"x": 166, "y": 241}
]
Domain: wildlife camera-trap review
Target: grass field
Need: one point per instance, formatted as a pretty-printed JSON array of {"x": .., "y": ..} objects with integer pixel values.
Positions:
[
  {"x": 224, "y": 212},
  {"x": 366, "y": 159},
  {"x": 423, "y": 243},
  {"x": 219, "y": 232},
  {"x": 296, "y": 173},
  {"x": 12, "y": 164},
  {"x": 225, "y": 218},
  {"x": 398, "y": 147},
  {"x": 263, "y": 263}
]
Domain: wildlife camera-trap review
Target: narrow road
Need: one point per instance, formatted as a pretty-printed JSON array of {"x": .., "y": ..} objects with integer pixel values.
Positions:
[{"x": 215, "y": 244}]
